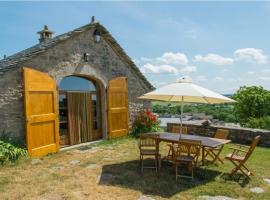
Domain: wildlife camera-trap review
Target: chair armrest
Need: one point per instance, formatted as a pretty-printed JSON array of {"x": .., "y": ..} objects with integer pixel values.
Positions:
[
  {"x": 241, "y": 146},
  {"x": 237, "y": 149}
]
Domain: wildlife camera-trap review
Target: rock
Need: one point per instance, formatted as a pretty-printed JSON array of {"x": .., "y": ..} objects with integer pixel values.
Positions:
[
  {"x": 267, "y": 180},
  {"x": 74, "y": 162},
  {"x": 215, "y": 198},
  {"x": 92, "y": 166},
  {"x": 36, "y": 161},
  {"x": 107, "y": 159},
  {"x": 143, "y": 197},
  {"x": 60, "y": 167},
  {"x": 257, "y": 190},
  {"x": 104, "y": 178}
]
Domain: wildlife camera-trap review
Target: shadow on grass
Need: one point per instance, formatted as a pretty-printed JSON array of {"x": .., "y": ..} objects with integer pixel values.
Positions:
[
  {"x": 128, "y": 175},
  {"x": 238, "y": 178}
]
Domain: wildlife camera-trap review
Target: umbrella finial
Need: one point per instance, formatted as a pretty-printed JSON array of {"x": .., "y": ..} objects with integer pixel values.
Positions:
[{"x": 184, "y": 79}]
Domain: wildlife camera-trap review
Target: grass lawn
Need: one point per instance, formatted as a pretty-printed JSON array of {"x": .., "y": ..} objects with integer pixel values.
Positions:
[{"x": 110, "y": 170}]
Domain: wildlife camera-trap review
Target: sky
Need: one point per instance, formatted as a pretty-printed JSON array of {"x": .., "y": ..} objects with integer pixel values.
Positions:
[{"x": 219, "y": 45}]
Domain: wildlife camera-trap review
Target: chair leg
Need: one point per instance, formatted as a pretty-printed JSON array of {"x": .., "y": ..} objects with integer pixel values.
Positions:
[
  {"x": 142, "y": 163},
  {"x": 176, "y": 171},
  {"x": 169, "y": 155},
  {"x": 159, "y": 162},
  {"x": 156, "y": 162},
  {"x": 192, "y": 173}
]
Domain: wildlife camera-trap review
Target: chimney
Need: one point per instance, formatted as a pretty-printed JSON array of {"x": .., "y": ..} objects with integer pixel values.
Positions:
[
  {"x": 93, "y": 20},
  {"x": 45, "y": 34}
]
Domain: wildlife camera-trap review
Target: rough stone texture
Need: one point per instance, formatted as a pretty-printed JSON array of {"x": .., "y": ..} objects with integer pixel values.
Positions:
[
  {"x": 104, "y": 178},
  {"x": 92, "y": 166},
  {"x": 74, "y": 162},
  {"x": 257, "y": 190},
  {"x": 36, "y": 161},
  {"x": 215, "y": 198},
  {"x": 63, "y": 59},
  {"x": 143, "y": 197},
  {"x": 267, "y": 180},
  {"x": 237, "y": 135}
]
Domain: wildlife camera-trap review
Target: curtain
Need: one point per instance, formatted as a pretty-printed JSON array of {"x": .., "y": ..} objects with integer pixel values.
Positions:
[{"x": 79, "y": 117}]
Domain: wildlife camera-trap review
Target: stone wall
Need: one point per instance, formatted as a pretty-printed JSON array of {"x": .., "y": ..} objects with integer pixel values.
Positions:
[
  {"x": 64, "y": 59},
  {"x": 237, "y": 135}
]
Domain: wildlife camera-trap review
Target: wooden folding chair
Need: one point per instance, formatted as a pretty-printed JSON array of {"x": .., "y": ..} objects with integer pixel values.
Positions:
[
  {"x": 215, "y": 152},
  {"x": 240, "y": 155},
  {"x": 148, "y": 145},
  {"x": 175, "y": 129},
  {"x": 186, "y": 152}
]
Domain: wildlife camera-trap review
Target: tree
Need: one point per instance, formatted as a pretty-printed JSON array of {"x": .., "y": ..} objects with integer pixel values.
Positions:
[{"x": 252, "y": 102}]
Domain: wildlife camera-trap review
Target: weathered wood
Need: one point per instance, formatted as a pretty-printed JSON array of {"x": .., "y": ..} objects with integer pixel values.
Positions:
[
  {"x": 41, "y": 113},
  {"x": 118, "y": 107}
]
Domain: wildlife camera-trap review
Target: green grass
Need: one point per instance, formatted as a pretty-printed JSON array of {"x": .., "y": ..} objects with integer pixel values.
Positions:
[{"x": 118, "y": 166}]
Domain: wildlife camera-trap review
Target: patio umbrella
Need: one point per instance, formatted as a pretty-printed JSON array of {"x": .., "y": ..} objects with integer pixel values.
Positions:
[{"x": 184, "y": 91}]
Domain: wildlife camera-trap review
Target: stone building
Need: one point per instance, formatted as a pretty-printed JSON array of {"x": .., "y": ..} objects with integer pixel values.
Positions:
[{"x": 45, "y": 88}]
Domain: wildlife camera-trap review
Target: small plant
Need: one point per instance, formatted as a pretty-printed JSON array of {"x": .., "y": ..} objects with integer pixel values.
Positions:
[
  {"x": 10, "y": 153},
  {"x": 16, "y": 141},
  {"x": 145, "y": 122}
]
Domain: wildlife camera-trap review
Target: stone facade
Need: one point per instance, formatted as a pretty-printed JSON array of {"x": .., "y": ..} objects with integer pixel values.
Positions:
[
  {"x": 237, "y": 135},
  {"x": 63, "y": 59}
]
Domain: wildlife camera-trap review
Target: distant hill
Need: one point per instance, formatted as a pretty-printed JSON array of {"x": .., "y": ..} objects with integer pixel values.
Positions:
[{"x": 228, "y": 95}]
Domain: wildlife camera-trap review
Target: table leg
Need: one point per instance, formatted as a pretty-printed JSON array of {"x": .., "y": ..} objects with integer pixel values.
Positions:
[{"x": 203, "y": 154}]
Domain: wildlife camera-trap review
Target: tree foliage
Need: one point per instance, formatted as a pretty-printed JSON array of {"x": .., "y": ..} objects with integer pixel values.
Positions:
[
  {"x": 253, "y": 106},
  {"x": 221, "y": 112}
]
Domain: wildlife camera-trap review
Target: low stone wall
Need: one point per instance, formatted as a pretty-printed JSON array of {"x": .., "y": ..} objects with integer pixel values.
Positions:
[{"x": 237, "y": 135}]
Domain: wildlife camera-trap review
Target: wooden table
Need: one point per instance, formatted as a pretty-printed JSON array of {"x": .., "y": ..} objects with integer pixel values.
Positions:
[{"x": 205, "y": 141}]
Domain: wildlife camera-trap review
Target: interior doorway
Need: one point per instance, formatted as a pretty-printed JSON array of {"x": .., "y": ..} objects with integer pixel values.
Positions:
[{"x": 79, "y": 111}]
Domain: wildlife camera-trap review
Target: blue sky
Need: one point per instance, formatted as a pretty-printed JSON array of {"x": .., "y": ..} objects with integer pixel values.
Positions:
[{"x": 221, "y": 46}]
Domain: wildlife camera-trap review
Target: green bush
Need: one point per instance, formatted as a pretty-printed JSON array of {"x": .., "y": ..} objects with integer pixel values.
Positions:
[
  {"x": 252, "y": 102},
  {"x": 10, "y": 153},
  {"x": 263, "y": 123},
  {"x": 145, "y": 122},
  {"x": 16, "y": 141},
  {"x": 223, "y": 112}
]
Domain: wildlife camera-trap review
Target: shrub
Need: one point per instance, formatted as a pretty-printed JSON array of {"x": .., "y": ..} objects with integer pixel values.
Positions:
[
  {"x": 10, "y": 153},
  {"x": 145, "y": 122},
  {"x": 252, "y": 102},
  {"x": 16, "y": 141},
  {"x": 263, "y": 123}
]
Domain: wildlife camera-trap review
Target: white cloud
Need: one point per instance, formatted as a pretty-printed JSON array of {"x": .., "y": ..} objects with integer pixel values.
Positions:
[
  {"x": 173, "y": 58},
  {"x": 266, "y": 70},
  {"x": 159, "y": 83},
  {"x": 213, "y": 59},
  {"x": 218, "y": 78},
  {"x": 264, "y": 78},
  {"x": 188, "y": 69},
  {"x": 250, "y": 72},
  {"x": 158, "y": 69},
  {"x": 251, "y": 54},
  {"x": 201, "y": 78},
  {"x": 144, "y": 59}
]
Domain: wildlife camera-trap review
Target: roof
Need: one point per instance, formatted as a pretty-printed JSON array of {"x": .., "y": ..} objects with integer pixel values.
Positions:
[{"x": 15, "y": 60}]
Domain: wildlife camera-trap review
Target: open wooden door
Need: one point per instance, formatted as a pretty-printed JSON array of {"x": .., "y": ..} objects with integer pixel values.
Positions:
[
  {"x": 41, "y": 113},
  {"x": 118, "y": 107}
]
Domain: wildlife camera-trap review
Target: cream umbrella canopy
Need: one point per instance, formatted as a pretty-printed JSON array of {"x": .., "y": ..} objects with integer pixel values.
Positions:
[{"x": 185, "y": 91}]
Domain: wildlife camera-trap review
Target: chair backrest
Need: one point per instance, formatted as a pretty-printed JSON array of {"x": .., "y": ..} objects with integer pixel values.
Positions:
[
  {"x": 176, "y": 129},
  {"x": 253, "y": 145},
  {"x": 189, "y": 147},
  {"x": 222, "y": 134},
  {"x": 148, "y": 141}
]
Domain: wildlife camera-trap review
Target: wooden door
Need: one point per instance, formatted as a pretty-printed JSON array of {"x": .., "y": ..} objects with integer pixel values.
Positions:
[
  {"x": 41, "y": 113},
  {"x": 118, "y": 107}
]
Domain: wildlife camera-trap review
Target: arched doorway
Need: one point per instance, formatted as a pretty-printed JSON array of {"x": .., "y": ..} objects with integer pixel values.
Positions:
[{"x": 79, "y": 110}]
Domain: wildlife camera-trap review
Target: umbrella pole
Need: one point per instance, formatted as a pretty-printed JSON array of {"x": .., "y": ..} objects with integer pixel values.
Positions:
[{"x": 181, "y": 116}]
